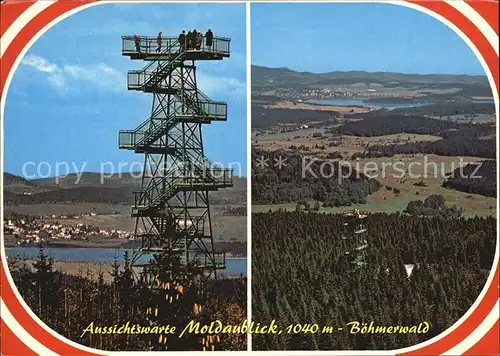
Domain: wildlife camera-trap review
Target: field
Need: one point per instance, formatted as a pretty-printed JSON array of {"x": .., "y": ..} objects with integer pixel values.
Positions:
[
  {"x": 479, "y": 118},
  {"x": 347, "y": 145},
  {"x": 390, "y": 206},
  {"x": 400, "y": 172},
  {"x": 437, "y": 167},
  {"x": 387, "y": 206},
  {"x": 300, "y": 105}
]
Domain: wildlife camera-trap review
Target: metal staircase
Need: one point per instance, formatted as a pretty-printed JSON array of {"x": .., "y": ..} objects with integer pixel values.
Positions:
[
  {"x": 152, "y": 198},
  {"x": 152, "y": 128},
  {"x": 148, "y": 78}
]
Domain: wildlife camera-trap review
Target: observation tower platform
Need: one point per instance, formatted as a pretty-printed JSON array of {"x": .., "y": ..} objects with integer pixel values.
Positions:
[{"x": 148, "y": 49}]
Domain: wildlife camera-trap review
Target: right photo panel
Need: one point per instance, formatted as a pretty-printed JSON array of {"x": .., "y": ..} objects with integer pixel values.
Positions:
[{"x": 374, "y": 182}]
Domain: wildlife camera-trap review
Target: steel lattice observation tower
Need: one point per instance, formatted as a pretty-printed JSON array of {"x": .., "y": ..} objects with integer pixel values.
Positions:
[
  {"x": 354, "y": 237},
  {"x": 172, "y": 209}
]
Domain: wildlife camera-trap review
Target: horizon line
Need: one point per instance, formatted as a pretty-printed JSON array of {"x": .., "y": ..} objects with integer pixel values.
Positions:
[
  {"x": 373, "y": 72},
  {"x": 91, "y": 172}
]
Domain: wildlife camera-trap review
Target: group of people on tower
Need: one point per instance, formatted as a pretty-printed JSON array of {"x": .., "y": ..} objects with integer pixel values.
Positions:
[{"x": 192, "y": 40}]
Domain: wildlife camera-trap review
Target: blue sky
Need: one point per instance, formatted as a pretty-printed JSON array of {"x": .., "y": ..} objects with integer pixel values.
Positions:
[
  {"x": 68, "y": 98},
  {"x": 370, "y": 37}
]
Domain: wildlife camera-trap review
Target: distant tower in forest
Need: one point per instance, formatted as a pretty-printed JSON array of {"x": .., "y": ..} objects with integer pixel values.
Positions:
[
  {"x": 354, "y": 237},
  {"x": 173, "y": 231}
]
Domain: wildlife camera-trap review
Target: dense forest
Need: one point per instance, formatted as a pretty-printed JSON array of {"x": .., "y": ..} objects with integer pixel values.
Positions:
[
  {"x": 450, "y": 109},
  {"x": 447, "y": 147},
  {"x": 75, "y": 195},
  {"x": 470, "y": 132},
  {"x": 457, "y": 139},
  {"x": 300, "y": 274},
  {"x": 69, "y": 304},
  {"x": 301, "y": 179},
  {"x": 263, "y": 118},
  {"x": 433, "y": 205},
  {"x": 475, "y": 178},
  {"x": 393, "y": 124}
]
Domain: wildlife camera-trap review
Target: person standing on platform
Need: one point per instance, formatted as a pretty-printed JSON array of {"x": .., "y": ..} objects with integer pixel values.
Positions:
[
  {"x": 209, "y": 38},
  {"x": 159, "y": 41},
  {"x": 182, "y": 40},
  {"x": 137, "y": 42},
  {"x": 193, "y": 39},
  {"x": 189, "y": 38},
  {"x": 199, "y": 40}
]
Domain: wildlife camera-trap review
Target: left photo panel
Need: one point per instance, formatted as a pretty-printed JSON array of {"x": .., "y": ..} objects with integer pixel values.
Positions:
[{"x": 124, "y": 185}]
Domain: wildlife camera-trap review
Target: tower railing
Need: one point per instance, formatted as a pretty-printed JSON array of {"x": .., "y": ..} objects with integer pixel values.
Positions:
[
  {"x": 141, "y": 80},
  {"x": 208, "y": 109},
  {"x": 194, "y": 98},
  {"x": 146, "y": 133},
  {"x": 147, "y": 46}
]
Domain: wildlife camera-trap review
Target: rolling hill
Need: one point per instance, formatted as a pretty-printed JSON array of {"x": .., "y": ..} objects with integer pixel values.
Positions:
[
  {"x": 285, "y": 76},
  {"x": 264, "y": 78},
  {"x": 115, "y": 189}
]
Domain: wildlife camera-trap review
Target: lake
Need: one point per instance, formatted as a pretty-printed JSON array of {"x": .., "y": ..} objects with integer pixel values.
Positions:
[
  {"x": 234, "y": 266},
  {"x": 359, "y": 102}
]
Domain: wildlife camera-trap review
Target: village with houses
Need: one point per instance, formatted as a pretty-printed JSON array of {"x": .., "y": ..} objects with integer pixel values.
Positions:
[{"x": 27, "y": 230}]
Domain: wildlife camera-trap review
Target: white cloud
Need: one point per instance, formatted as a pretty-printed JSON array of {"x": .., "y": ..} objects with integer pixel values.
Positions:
[
  {"x": 40, "y": 64},
  {"x": 100, "y": 75},
  {"x": 57, "y": 80}
]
